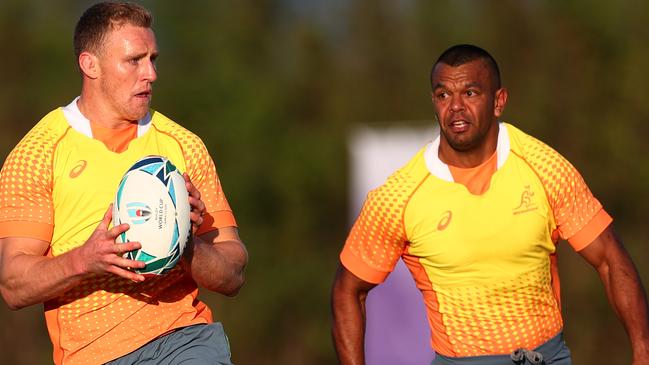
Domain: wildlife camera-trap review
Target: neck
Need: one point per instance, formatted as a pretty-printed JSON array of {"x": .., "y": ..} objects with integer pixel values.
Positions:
[
  {"x": 471, "y": 157},
  {"x": 99, "y": 113}
]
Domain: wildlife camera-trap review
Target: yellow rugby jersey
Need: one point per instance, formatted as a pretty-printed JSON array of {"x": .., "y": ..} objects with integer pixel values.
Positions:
[
  {"x": 56, "y": 186},
  {"x": 485, "y": 264}
]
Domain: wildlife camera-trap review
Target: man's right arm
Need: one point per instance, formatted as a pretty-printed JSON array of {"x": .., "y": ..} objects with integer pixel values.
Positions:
[
  {"x": 348, "y": 306},
  {"x": 29, "y": 277}
]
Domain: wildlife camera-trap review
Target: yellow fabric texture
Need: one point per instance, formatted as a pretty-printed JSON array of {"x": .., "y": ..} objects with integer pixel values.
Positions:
[
  {"x": 56, "y": 186},
  {"x": 482, "y": 262}
]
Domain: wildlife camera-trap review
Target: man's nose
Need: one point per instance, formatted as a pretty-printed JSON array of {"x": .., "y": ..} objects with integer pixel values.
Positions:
[
  {"x": 150, "y": 72},
  {"x": 457, "y": 103}
]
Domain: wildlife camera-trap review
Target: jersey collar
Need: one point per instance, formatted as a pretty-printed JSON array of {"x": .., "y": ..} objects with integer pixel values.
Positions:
[
  {"x": 81, "y": 124},
  {"x": 441, "y": 170}
]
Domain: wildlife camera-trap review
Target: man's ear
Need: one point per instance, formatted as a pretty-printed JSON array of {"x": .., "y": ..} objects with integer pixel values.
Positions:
[
  {"x": 89, "y": 65},
  {"x": 500, "y": 102}
]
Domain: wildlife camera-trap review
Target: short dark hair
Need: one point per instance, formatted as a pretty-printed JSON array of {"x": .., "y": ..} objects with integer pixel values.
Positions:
[
  {"x": 99, "y": 19},
  {"x": 464, "y": 53}
]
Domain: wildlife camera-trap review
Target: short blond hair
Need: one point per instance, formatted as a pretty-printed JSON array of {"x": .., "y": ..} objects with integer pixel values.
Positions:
[{"x": 99, "y": 19}]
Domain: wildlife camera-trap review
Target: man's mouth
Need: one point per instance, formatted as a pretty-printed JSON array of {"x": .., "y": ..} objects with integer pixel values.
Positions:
[
  {"x": 144, "y": 94},
  {"x": 458, "y": 126}
]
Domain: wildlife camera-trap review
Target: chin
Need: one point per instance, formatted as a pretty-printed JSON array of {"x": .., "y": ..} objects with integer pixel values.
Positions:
[
  {"x": 138, "y": 114},
  {"x": 461, "y": 145},
  {"x": 461, "y": 148},
  {"x": 457, "y": 143}
]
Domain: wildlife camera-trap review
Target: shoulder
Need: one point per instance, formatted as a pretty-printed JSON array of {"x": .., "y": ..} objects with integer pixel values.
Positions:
[
  {"x": 537, "y": 154},
  {"x": 182, "y": 135},
  {"x": 194, "y": 152},
  {"x": 403, "y": 182},
  {"x": 525, "y": 144},
  {"x": 52, "y": 126},
  {"x": 45, "y": 135},
  {"x": 31, "y": 159},
  {"x": 415, "y": 168},
  {"x": 558, "y": 176}
]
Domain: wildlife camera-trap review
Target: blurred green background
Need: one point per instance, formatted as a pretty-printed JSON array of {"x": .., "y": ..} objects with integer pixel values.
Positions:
[{"x": 274, "y": 87}]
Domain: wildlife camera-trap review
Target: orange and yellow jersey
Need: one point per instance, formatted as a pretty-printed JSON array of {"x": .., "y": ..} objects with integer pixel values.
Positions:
[
  {"x": 57, "y": 184},
  {"x": 485, "y": 263}
]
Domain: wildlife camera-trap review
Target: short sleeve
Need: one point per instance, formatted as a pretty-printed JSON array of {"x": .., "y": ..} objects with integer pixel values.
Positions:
[
  {"x": 26, "y": 208},
  {"x": 579, "y": 216},
  {"x": 202, "y": 172},
  {"x": 377, "y": 238}
]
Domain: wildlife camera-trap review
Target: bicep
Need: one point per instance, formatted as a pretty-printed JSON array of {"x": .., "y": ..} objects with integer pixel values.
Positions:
[
  {"x": 347, "y": 282},
  {"x": 604, "y": 249},
  {"x": 227, "y": 238},
  {"x": 14, "y": 247},
  {"x": 221, "y": 234}
]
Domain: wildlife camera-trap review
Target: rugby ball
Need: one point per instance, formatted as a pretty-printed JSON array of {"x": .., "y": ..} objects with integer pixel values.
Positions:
[{"x": 153, "y": 200}]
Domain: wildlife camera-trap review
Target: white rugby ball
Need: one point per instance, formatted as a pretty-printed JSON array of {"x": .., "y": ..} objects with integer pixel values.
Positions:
[{"x": 153, "y": 200}]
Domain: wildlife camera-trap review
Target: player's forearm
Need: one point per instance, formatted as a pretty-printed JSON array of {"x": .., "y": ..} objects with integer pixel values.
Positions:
[
  {"x": 348, "y": 326},
  {"x": 218, "y": 266},
  {"x": 628, "y": 298},
  {"x": 30, "y": 279}
]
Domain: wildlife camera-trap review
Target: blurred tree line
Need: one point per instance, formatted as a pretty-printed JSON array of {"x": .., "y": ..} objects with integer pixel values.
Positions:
[{"x": 274, "y": 87}]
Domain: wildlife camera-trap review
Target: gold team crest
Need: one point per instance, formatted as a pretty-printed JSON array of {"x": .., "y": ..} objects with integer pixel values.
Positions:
[{"x": 527, "y": 203}]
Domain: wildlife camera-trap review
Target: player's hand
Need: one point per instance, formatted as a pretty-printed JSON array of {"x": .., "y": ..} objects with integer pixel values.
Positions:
[
  {"x": 196, "y": 204},
  {"x": 101, "y": 254}
]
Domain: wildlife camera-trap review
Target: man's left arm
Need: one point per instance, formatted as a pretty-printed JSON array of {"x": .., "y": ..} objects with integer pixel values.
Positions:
[
  {"x": 216, "y": 260},
  {"x": 623, "y": 288}
]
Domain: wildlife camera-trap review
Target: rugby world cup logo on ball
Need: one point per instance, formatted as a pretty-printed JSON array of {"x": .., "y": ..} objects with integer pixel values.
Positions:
[{"x": 153, "y": 200}]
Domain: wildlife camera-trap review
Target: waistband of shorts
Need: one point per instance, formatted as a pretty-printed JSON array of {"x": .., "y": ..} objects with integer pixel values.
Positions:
[{"x": 548, "y": 349}]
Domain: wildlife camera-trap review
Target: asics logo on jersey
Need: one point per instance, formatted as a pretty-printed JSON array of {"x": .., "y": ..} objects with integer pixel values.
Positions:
[
  {"x": 78, "y": 168},
  {"x": 444, "y": 220},
  {"x": 526, "y": 204}
]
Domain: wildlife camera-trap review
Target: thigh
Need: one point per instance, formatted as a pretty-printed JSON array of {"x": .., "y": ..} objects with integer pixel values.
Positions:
[
  {"x": 207, "y": 344},
  {"x": 193, "y": 345},
  {"x": 562, "y": 357},
  {"x": 556, "y": 351},
  {"x": 559, "y": 356},
  {"x": 473, "y": 360}
]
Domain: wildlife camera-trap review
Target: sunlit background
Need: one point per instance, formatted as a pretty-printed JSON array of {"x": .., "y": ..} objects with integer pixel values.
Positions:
[{"x": 276, "y": 89}]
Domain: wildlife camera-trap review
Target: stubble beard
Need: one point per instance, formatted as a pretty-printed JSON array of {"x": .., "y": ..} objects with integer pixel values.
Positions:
[
  {"x": 134, "y": 111},
  {"x": 129, "y": 108}
]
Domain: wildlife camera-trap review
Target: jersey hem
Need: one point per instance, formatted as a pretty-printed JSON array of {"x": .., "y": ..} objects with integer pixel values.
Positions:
[
  {"x": 38, "y": 230},
  {"x": 363, "y": 271},
  {"x": 216, "y": 220},
  {"x": 590, "y": 231}
]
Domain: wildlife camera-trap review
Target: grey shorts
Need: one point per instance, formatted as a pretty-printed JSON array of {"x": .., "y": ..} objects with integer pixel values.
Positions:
[
  {"x": 193, "y": 345},
  {"x": 553, "y": 352}
]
